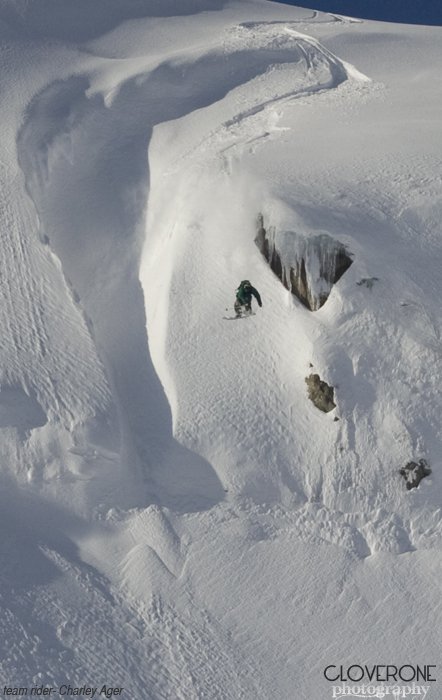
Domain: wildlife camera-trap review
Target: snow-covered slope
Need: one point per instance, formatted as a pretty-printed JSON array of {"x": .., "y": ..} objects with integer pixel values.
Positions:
[{"x": 178, "y": 518}]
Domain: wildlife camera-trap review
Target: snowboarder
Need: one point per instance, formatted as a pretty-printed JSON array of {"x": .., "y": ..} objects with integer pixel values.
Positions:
[{"x": 244, "y": 298}]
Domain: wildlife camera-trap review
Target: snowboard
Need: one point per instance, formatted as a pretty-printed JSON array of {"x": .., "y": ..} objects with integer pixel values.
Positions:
[{"x": 237, "y": 318}]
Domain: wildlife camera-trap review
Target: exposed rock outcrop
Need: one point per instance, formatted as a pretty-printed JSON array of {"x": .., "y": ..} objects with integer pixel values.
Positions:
[
  {"x": 367, "y": 282},
  {"x": 308, "y": 266},
  {"x": 414, "y": 472},
  {"x": 320, "y": 393}
]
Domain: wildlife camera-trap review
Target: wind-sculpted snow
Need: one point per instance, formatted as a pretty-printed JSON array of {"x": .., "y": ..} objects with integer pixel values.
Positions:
[
  {"x": 269, "y": 469},
  {"x": 179, "y": 519},
  {"x": 74, "y": 142},
  {"x": 82, "y": 21},
  {"x": 260, "y": 429}
]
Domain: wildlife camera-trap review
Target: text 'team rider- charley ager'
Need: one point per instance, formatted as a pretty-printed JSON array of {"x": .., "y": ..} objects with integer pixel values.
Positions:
[{"x": 106, "y": 691}]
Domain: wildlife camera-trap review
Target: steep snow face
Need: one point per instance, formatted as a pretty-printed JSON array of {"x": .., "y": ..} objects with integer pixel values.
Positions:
[
  {"x": 183, "y": 513},
  {"x": 315, "y": 161},
  {"x": 203, "y": 244},
  {"x": 260, "y": 444}
]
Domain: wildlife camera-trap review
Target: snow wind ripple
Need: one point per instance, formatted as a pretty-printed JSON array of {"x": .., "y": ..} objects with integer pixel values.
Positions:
[{"x": 73, "y": 140}]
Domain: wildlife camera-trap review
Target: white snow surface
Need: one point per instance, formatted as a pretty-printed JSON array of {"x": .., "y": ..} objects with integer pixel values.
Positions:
[{"x": 178, "y": 519}]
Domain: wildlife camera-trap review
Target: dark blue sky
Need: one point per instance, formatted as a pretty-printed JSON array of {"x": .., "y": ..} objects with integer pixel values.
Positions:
[{"x": 408, "y": 11}]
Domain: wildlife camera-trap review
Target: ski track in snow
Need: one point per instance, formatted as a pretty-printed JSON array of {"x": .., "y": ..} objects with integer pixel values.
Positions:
[
  {"x": 120, "y": 401},
  {"x": 61, "y": 130},
  {"x": 63, "y": 127},
  {"x": 314, "y": 70}
]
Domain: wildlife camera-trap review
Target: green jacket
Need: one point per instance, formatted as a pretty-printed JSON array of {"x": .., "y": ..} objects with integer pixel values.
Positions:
[{"x": 244, "y": 294}]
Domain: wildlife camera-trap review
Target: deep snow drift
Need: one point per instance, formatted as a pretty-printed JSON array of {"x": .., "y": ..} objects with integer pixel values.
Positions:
[{"x": 178, "y": 518}]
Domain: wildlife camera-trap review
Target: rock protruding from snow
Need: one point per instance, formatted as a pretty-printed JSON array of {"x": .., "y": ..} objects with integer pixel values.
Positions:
[
  {"x": 414, "y": 472},
  {"x": 308, "y": 266},
  {"x": 320, "y": 393},
  {"x": 367, "y": 282}
]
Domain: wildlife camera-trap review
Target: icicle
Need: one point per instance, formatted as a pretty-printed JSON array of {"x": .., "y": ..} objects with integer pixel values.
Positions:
[{"x": 308, "y": 266}]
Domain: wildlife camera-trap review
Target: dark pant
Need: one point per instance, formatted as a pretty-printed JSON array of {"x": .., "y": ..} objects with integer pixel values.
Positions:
[{"x": 239, "y": 307}]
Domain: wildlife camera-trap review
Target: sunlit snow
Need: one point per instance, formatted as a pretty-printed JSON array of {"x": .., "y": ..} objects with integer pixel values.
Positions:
[{"x": 178, "y": 519}]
